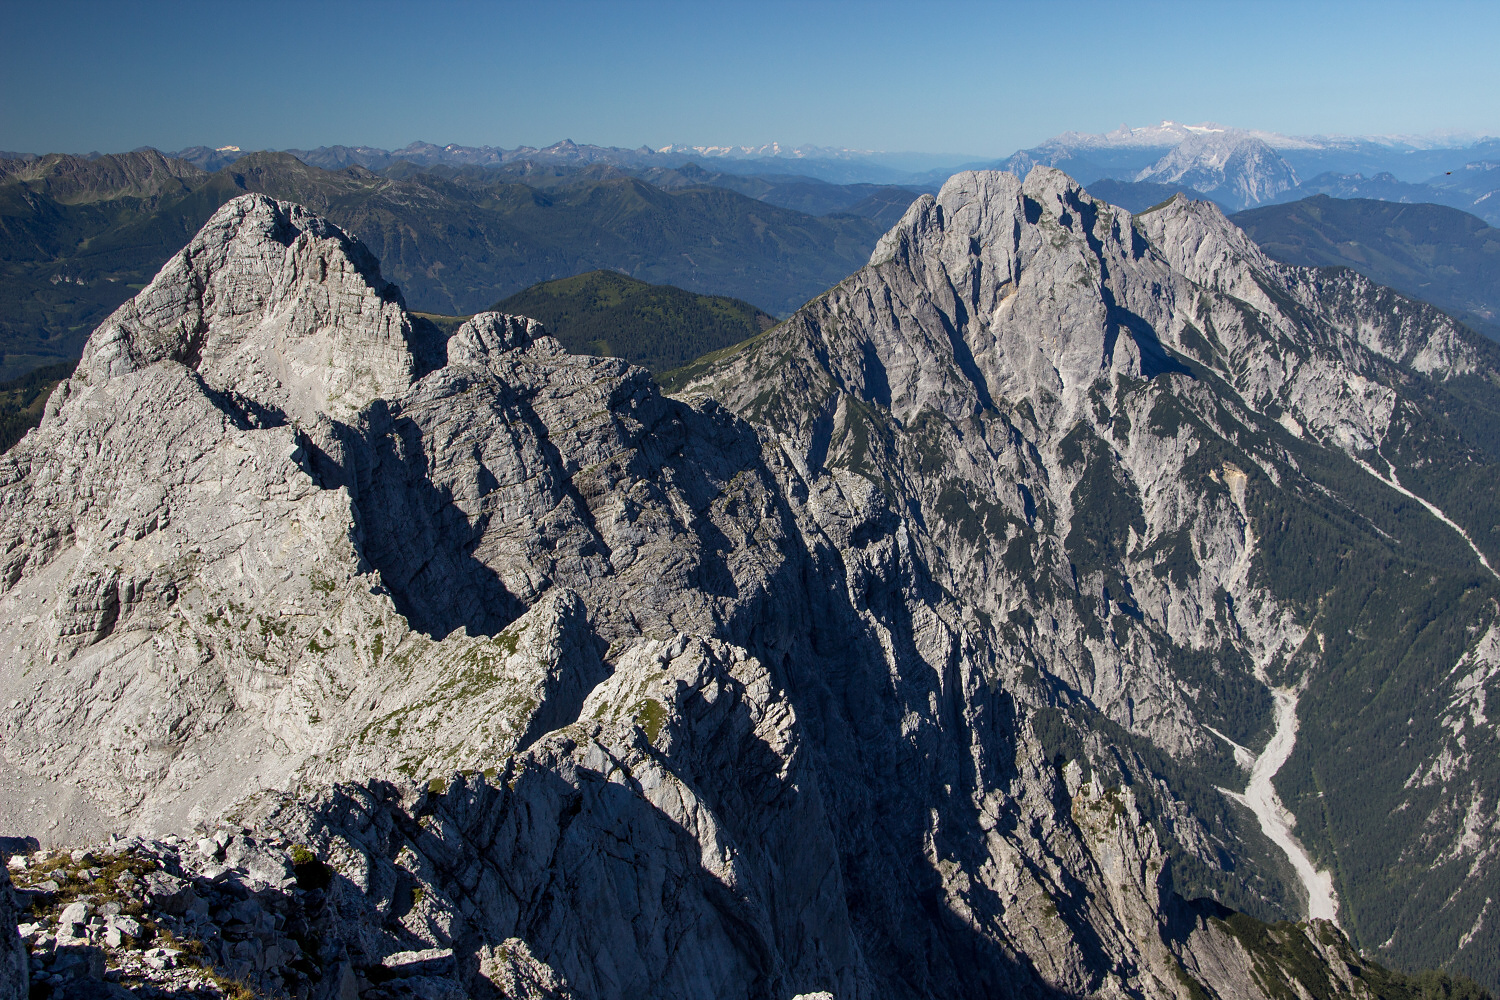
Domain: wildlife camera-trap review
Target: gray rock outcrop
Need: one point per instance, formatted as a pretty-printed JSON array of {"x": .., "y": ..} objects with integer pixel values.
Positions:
[
  {"x": 886, "y": 659},
  {"x": 1093, "y": 426}
]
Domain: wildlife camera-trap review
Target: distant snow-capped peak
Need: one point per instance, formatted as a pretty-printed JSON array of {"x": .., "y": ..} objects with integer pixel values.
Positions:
[
  {"x": 1237, "y": 166},
  {"x": 770, "y": 149}
]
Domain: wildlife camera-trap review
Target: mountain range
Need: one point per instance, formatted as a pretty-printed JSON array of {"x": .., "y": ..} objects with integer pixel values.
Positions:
[
  {"x": 1472, "y": 188},
  {"x": 80, "y": 236},
  {"x": 1440, "y": 255},
  {"x": 466, "y": 228},
  {"x": 833, "y": 165},
  {"x": 1066, "y": 602},
  {"x": 1119, "y": 155},
  {"x": 1240, "y": 168}
]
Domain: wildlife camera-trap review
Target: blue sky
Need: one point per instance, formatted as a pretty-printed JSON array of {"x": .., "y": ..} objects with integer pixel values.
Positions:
[{"x": 963, "y": 78}]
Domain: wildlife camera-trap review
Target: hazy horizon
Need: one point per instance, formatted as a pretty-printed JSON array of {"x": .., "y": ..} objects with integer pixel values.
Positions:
[{"x": 1435, "y": 138}]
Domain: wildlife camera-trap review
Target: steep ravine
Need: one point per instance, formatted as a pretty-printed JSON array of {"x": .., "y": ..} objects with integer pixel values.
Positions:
[
  {"x": 1394, "y": 483},
  {"x": 1260, "y": 798}
]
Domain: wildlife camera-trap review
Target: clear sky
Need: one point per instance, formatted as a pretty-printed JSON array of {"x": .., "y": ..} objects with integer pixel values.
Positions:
[{"x": 965, "y": 78}]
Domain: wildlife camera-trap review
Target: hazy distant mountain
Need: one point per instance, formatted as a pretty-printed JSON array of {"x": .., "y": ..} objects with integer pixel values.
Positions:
[
  {"x": 428, "y": 154},
  {"x": 1382, "y": 186},
  {"x": 1232, "y": 166},
  {"x": 1083, "y": 160},
  {"x": 1122, "y": 153},
  {"x": 1138, "y": 196},
  {"x": 1470, "y": 188},
  {"x": 1235, "y": 168},
  {"x": 838, "y": 166},
  {"x": 1119, "y": 154},
  {"x": 207, "y": 158},
  {"x": 1431, "y": 252},
  {"x": 769, "y": 149},
  {"x": 79, "y": 236},
  {"x": 1370, "y": 156},
  {"x": 1167, "y": 134},
  {"x": 1179, "y": 154},
  {"x": 1411, "y": 158},
  {"x": 1475, "y": 187}
]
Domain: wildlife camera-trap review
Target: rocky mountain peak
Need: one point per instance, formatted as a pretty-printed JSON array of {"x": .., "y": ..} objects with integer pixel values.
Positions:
[
  {"x": 989, "y": 253},
  {"x": 973, "y": 209},
  {"x": 489, "y": 333},
  {"x": 1199, "y": 241},
  {"x": 272, "y": 306},
  {"x": 914, "y": 662},
  {"x": 1234, "y": 166},
  {"x": 1090, "y": 424}
]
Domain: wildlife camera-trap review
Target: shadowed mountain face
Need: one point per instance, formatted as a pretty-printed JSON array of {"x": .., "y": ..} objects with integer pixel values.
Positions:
[{"x": 907, "y": 650}]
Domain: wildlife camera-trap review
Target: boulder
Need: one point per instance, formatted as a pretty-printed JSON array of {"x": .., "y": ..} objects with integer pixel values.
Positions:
[
  {"x": 426, "y": 962},
  {"x": 14, "y": 965}
]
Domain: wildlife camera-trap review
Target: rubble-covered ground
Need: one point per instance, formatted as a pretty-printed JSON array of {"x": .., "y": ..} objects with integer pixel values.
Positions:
[{"x": 225, "y": 917}]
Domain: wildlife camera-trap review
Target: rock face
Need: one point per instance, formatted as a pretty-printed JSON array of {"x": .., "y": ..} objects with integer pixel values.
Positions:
[
  {"x": 1235, "y": 167},
  {"x": 895, "y": 656},
  {"x": 1121, "y": 443},
  {"x": 236, "y": 912}
]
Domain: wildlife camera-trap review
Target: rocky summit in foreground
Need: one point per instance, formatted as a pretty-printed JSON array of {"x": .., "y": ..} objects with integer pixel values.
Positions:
[{"x": 941, "y": 641}]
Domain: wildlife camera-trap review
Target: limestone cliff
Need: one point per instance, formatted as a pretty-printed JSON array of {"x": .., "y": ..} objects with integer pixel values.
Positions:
[
  {"x": 898, "y": 655},
  {"x": 1157, "y": 471}
]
